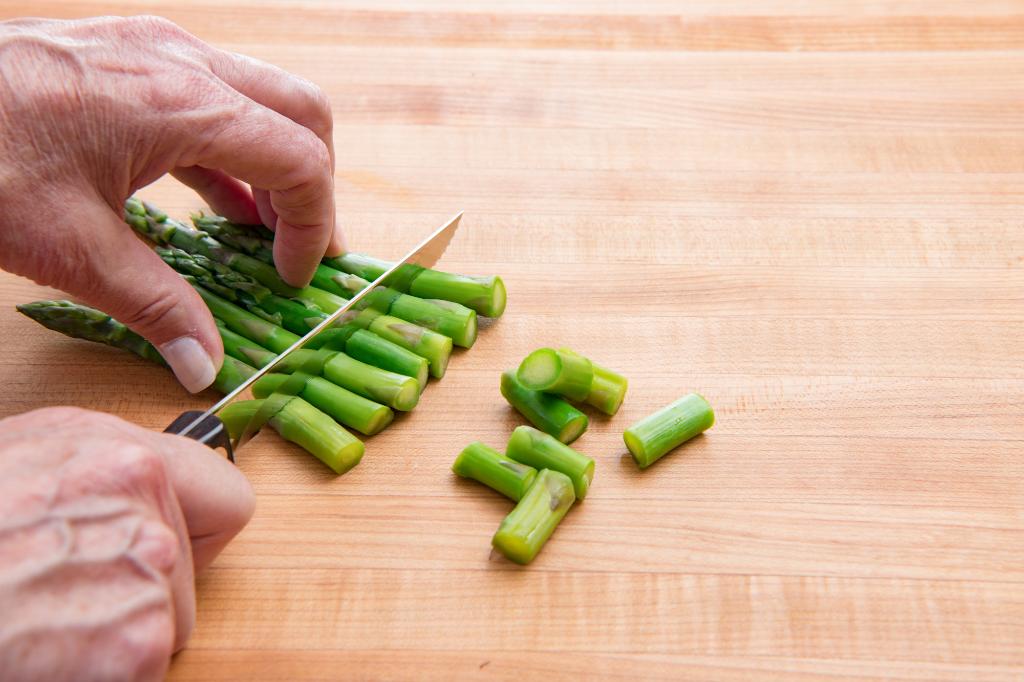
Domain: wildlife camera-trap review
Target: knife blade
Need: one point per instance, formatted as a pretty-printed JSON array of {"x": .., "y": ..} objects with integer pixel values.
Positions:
[{"x": 205, "y": 427}]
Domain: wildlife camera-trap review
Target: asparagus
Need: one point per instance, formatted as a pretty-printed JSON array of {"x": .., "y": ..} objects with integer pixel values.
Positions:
[
  {"x": 329, "y": 285},
  {"x": 301, "y": 423},
  {"x": 243, "y": 322},
  {"x": 395, "y": 390},
  {"x": 607, "y": 389},
  {"x": 655, "y": 435},
  {"x": 373, "y": 350},
  {"x": 525, "y": 530},
  {"x": 436, "y": 348},
  {"x": 154, "y": 224},
  {"x": 554, "y": 371},
  {"x": 237, "y": 346},
  {"x": 485, "y": 464},
  {"x": 547, "y": 412},
  {"x": 485, "y": 295},
  {"x": 354, "y": 411},
  {"x": 541, "y": 451}
]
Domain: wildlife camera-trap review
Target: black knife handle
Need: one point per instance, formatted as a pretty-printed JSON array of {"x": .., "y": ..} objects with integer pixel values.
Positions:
[{"x": 210, "y": 432}]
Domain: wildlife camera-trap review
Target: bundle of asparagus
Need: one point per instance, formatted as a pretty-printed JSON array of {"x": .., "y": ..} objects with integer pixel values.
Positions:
[{"x": 374, "y": 361}]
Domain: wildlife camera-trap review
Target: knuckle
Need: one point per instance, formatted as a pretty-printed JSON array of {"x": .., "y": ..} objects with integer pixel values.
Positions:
[
  {"x": 147, "y": 645},
  {"x": 158, "y": 546},
  {"x": 153, "y": 26},
  {"x": 137, "y": 466},
  {"x": 148, "y": 314},
  {"x": 321, "y": 119}
]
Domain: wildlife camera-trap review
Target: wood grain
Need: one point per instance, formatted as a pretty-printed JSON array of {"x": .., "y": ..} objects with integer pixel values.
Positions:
[{"x": 810, "y": 212}]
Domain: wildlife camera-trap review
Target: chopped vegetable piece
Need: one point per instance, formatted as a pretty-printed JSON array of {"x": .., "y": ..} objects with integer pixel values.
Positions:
[
  {"x": 301, "y": 423},
  {"x": 541, "y": 451},
  {"x": 389, "y": 388},
  {"x": 525, "y": 530},
  {"x": 485, "y": 464},
  {"x": 547, "y": 412},
  {"x": 568, "y": 374},
  {"x": 608, "y": 388},
  {"x": 436, "y": 348},
  {"x": 346, "y": 407},
  {"x": 655, "y": 435}
]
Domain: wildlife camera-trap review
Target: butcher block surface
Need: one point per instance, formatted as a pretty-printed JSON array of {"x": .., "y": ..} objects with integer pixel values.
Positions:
[{"x": 808, "y": 212}]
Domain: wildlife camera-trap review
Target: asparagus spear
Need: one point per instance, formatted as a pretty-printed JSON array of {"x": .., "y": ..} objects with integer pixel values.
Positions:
[
  {"x": 445, "y": 317},
  {"x": 655, "y": 435},
  {"x": 485, "y": 464},
  {"x": 354, "y": 411},
  {"x": 547, "y": 412},
  {"x": 301, "y": 423},
  {"x": 541, "y": 451},
  {"x": 239, "y": 347},
  {"x": 525, "y": 530},
  {"x": 373, "y": 350},
  {"x": 553, "y": 371},
  {"x": 607, "y": 389},
  {"x": 154, "y": 224},
  {"x": 436, "y": 348},
  {"x": 243, "y": 322},
  {"x": 395, "y": 390}
]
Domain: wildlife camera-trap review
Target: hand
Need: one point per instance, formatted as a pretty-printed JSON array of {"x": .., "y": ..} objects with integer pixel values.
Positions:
[
  {"x": 101, "y": 526},
  {"x": 92, "y": 110}
]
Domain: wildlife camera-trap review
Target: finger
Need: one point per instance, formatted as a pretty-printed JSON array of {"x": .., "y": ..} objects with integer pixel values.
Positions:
[
  {"x": 118, "y": 274},
  {"x": 225, "y": 195},
  {"x": 287, "y": 94},
  {"x": 294, "y": 165},
  {"x": 268, "y": 216},
  {"x": 216, "y": 499}
]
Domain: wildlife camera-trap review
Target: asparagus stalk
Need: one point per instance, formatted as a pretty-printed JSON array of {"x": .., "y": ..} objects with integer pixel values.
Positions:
[
  {"x": 554, "y": 371},
  {"x": 488, "y": 466},
  {"x": 373, "y": 350},
  {"x": 547, "y": 412},
  {"x": 237, "y": 346},
  {"x": 525, "y": 530},
  {"x": 608, "y": 388},
  {"x": 444, "y": 317},
  {"x": 395, "y": 390},
  {"x": 436, "y": 348},
  {"x": 354, "y": 411},
  {"x": 541, "y": 451},
  {"x": 243, "y": 322},
  {"x": 247, "y": 239},
  {"x": 655, "y": 435},
  {"x": 154, "y": 224},
  {"x": 301, "y": 423}
]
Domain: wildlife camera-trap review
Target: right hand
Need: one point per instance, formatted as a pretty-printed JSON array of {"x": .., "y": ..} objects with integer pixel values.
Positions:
[
  {"x": 102, "y": 525},
  {"x": 92, "y": 110}
]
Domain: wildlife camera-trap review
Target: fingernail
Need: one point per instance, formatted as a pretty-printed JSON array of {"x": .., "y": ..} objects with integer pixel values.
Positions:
[{"x": 190, "y": 362}]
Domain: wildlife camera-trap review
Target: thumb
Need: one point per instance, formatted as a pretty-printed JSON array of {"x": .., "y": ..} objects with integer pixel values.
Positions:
[{"x": 128, "y": 281}]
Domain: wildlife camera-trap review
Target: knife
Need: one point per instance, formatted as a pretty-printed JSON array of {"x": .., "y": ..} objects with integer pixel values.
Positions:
[{"x": 207, "y": 428}]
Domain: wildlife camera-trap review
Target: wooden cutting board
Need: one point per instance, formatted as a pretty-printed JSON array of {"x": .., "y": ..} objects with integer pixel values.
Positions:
[{"x": 809, "y": 212}]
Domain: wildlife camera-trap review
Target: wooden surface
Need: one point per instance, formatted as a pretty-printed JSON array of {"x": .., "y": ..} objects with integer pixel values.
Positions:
[{"x": 811, "y": 212}]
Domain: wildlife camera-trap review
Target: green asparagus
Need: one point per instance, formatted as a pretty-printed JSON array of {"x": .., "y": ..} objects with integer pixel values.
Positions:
[
  {"x": 567, "y": 374},
  {"x": 390, "y": 388},
  {"x": 488, "y": 466},
  {"x": 301, "y": 423},
  {"x": 655, "y": 435},
  {"x": 373, "y": 350},
  {"x": 525, "y": 530},
  {"x": 352, "y": 410},
  {"x": 243, "y": 322},
  {"x": 436, "y": 348},
  {"x": 247, "y": 351},
  {"x": 547, "y": 412},
  {"x": 607, "y": 389},
  {"x": 541, "y": 451},
  {"x": 82, "y": 322}
]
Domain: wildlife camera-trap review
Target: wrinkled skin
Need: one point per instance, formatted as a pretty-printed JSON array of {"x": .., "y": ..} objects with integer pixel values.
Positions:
[
  {"x": 92, "y": 110},
  {"x": 102, "y": 526}
]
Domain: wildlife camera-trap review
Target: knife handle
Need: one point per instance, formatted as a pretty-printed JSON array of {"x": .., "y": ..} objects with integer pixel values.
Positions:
[{"x": 210, "y": 432}]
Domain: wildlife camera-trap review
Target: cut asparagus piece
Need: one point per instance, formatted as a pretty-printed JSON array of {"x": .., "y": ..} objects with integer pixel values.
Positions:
[
  {"x": 82, "y": 322},
  {"x": 608, "y": 388},
  {"x": 656, "y": 434},
  {"x": 488, "y": 466},
  {"x": 245, "y": 323},
  {"x": 301, "y": 423},
  {"x": 373, "y": 350},
  {"x": 547, "y": 412},
  {"x": 436, "y": 348},
  {"x": 566, "y": 374},
  {"x": 395, "y": 390},
  {"x": 155, "y": 225},
  {"x": 525, "y": 530},
  {"x": 485, "y": 295},
  {"x": 239, "y": 347},
  {"x": 444, "y": 317},
  {"x": 541, "y": 451},
  {"x": 354, "y": 411}
]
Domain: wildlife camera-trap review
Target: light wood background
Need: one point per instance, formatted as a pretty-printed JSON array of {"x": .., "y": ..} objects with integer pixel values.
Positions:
[{"x": 811, "y": 212}]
